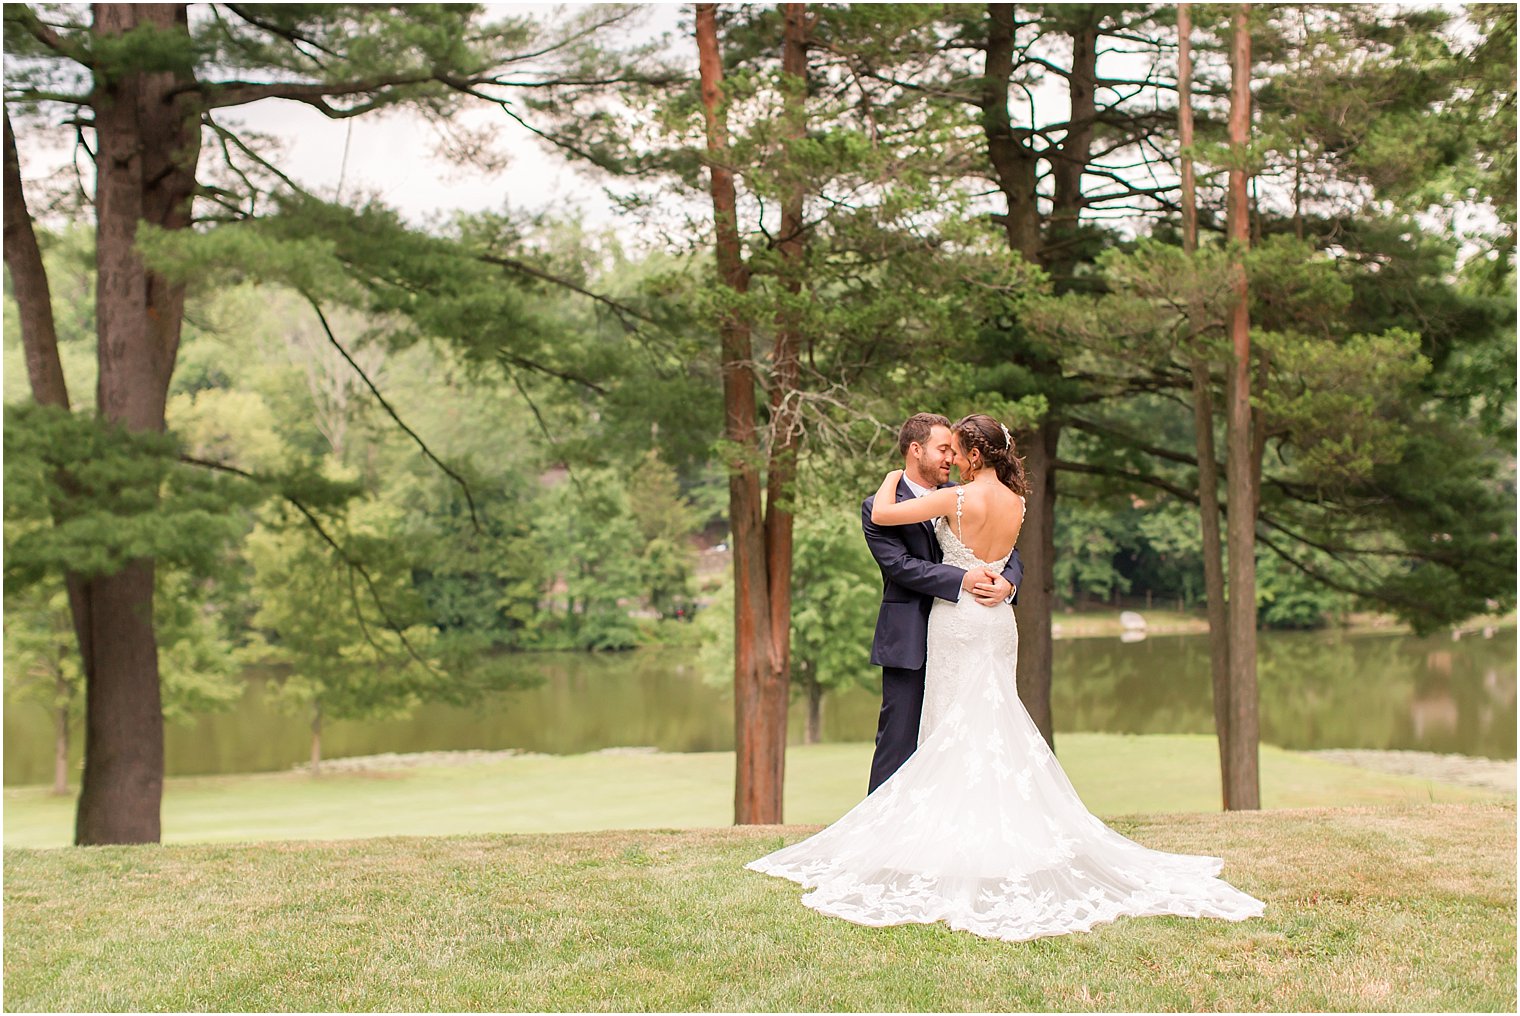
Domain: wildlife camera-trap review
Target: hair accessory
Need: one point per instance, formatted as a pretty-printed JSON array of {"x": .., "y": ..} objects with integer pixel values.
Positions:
[{"x": 1007, "y": 437}]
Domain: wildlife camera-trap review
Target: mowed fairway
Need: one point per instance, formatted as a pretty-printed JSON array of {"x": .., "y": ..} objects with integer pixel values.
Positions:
[
  {"x": 1386, "y": 908},
  {"x": 1115, "y": 774}
]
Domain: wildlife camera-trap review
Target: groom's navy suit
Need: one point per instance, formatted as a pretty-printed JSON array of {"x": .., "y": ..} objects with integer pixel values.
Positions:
[{"x": 912, "y": 577}]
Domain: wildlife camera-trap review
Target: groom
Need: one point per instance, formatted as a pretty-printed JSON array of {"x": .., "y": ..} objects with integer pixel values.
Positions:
[{"x": 912, "y": 576}]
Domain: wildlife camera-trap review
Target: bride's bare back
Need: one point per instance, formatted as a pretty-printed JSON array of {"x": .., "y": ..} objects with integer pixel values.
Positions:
[{"x": 991, "y": 517}]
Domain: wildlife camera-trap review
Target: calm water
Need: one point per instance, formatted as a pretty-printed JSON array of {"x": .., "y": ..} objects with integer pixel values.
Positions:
[{"x": 1318, "y": 690}]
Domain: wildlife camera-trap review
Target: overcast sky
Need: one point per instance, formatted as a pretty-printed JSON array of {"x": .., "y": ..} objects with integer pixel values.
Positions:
[
  {"x": 395, "y": 155},
  {"x": 391, "y": 155}
]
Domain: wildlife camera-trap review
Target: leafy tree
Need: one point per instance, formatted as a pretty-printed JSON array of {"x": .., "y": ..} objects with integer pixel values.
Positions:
[
  {"x": 838, "y": 590},
  {"x": 1286, "y": 598},
  {"x": 1086, "y": 547},
  {"x": 338, "y": 670},
  {"x": 149, "y": 83},
  {"x": 594, "y": 551},
  {"x": 42, "y": 665},
  {"x": 666, "y": 525}
]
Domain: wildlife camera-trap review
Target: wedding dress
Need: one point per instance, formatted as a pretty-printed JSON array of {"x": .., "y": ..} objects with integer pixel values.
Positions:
[{"x": 980, "y": 828}]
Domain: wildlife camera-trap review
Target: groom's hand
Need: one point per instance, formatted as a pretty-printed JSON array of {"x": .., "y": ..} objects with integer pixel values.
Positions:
[
  {"x": 974, "y": 579},
  {"x": 978, "y": 580},
  {"x": 990, "y": 590}
]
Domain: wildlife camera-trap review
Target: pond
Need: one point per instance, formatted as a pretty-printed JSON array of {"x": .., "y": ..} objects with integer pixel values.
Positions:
[{"x": 1318, "y": 690}]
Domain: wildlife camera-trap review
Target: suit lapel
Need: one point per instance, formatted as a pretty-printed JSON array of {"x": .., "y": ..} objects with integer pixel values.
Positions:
[{"x": 905, "y": 493}]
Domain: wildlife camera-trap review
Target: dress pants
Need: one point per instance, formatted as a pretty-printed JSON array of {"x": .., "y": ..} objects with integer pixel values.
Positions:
[{"x": 902, "y": 703}]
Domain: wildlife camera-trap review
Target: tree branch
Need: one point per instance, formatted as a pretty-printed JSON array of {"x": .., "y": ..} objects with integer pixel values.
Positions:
[
  {"x": 25, "y": 18},
  {"x": 390, "y": 411},
  {"x": 622, "y": 310},
  {"x": 353, "y": 565}
]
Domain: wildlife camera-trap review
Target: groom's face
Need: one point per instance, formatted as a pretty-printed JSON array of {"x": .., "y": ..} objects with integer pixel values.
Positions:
[{"x": 933, "y": 458}]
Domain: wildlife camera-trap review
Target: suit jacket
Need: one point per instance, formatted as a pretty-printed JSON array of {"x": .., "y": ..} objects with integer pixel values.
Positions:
[{"x": 913, "y": 575}]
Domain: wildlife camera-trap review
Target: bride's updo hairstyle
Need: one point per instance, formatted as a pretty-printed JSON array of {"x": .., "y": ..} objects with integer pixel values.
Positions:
[{"x": 995, "y": 443}]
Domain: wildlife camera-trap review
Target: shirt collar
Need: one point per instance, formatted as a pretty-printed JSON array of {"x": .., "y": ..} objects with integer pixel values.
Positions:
[{"x": 917, "y": 490}]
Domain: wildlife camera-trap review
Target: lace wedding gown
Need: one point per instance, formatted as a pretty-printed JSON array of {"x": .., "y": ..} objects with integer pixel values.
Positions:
[{"x": 980, "y": 828}]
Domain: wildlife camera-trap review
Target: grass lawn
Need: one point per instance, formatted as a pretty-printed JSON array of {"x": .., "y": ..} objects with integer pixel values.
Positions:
[
  {"x": 1114, "y": 773},
  {"x": 1406, "y": 907}
]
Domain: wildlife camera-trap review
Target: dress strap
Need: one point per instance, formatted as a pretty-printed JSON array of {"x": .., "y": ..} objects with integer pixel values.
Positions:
[{"x": 960, "y": 500}]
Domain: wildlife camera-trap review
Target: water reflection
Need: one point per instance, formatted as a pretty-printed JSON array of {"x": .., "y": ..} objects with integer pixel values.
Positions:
[{"x": 1318, "y": 690}]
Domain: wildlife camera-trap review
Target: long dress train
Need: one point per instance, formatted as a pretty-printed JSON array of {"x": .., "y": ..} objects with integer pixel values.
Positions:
[{"x": 980, "y": 828}]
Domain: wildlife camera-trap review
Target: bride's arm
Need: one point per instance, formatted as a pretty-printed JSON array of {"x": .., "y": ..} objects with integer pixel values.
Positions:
[{"x": 886, "y": 511}]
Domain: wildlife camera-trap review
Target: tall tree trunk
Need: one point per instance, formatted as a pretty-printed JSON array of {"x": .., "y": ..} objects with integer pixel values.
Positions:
[
  {"x": 1069, "y": 162},
  {"x": 61, "y": 737},
  {"x": 148, "y": 136},
  {"x": 44, "y": 368},
  {"x": 813, "y": 732},
  {"x": 29, "y": 284},
  {"x": 1015, "y": 165},
  {"x": 1203, "y": 420},
  {"x": 1057, "y": 252},
  {"x": 316, "y": 738},
  {"x": 785, "y": 423},
  {"x": 1242, "y": 783},
  {"x": 1185, "y": 126},
  {"x": 759, "y": 760},
  {"x": 1213, "y": 560},
  {"x": 1037, "y": 594}
]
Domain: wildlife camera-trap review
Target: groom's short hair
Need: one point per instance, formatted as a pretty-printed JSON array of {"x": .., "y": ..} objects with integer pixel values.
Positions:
[{"x": 917, "y": 428}]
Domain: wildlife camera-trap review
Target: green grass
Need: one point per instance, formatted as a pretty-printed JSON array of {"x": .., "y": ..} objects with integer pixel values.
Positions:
[
  {"x": 1388, "y": 908},
  {"x": 1114, "y": 773}
]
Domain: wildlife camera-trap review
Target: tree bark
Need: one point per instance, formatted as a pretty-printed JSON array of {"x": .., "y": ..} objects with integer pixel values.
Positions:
[
  {"x": 1070, "y": 160},
  {"x": 1037, "y": 595},
  {"x": 1015, "y": 167},
  {"x": 1242, "y": 788},
  {"x": 44, "y": 371},
  {"x": 1185, "y": 126},
  {"x": 1213, "y": 561},
  {"x": 785, "y": 424},
  {"x": 1203, "y": 421},
  {"x": 29, "y": 284},
  {"x": 1013, "y": 163},
  {"x": 759, "y": 758},
  {"x": 148, "y": 137}
]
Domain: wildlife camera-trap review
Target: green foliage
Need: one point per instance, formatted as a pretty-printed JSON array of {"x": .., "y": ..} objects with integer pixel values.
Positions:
[
  {"x": 591, "y": 539},
  {"x": 836, "y": 589},
  {"x": 1344, "y": 406},
  {"x": 1087, "y": 543},
  {"x": 197, "y": 663},
  {"x": 1169, "y": 551},
  {"x": 666, "y": 525},
  {"x": 587, "y": 431},
  {"x": 89, "y": 498},
  {"x": 41, "y": 653},
  {"x": 198, "y": 667},
  {"x": 348, "y": 657},
  {"x": 1446, "y": 502},
  {"x": 1287, "y": 598}
]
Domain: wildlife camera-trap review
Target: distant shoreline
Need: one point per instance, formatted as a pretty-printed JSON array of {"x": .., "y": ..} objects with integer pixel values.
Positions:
[
  {"x": 1106, "y": 623},
  {"x": 1459, "y": 770}
]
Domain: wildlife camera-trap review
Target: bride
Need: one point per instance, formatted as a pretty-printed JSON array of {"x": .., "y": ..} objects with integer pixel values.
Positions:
[{"x": 980, "y": 828}]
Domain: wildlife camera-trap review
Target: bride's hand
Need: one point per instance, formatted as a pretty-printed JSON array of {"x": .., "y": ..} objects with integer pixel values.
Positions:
[{"x": 892, "y": 478}]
